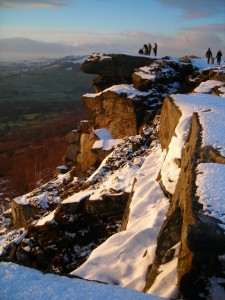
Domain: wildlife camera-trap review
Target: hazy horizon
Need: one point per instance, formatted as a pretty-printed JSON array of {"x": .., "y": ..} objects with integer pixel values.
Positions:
[{"x": 56, "y": 28}]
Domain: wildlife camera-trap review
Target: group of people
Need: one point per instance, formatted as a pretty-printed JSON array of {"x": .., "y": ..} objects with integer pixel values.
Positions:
[
  {"x": 147, "y": 49},
  {"x": 210, "y": 57}
]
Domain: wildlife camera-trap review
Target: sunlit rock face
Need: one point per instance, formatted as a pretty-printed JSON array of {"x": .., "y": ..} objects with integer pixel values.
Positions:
[
  {"x": 133, "y": 195},
  {"x": 115, "y": 112},
  {"x": 133, "y": 91},
  {"x": 188, "y": 222}
]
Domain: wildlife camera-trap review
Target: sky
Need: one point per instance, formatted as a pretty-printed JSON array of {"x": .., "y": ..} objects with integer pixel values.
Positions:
[{"x": 54, "y": 28}]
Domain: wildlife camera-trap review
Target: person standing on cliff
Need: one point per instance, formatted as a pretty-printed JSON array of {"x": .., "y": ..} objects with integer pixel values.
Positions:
[
  {"x": 218, "y": 57},
  {"x": 208, "y": 55},
  {"x": 149, "y": 49},
  {"x": 155, "y": 49},
  {"x": 145, "y": 49}
]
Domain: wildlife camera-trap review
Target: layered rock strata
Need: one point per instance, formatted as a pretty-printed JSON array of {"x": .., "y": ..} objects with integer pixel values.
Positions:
[
  {"x": 86, "y": 211},
  {"x": 124, "y": 108},
  {"x": 201, "y": 237}
]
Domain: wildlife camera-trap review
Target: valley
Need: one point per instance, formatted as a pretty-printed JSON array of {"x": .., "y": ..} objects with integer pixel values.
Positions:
[{"x": 40, "y": 104}]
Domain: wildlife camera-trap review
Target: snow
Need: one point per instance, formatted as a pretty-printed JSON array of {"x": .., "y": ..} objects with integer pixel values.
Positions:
[
  {"x": 207, "y": 86},
  {"x": 106, "y": 144},
  {"x": 121, "y": 88},
  {"x": 103, "y": 134},
  {"x": 201, "y": 64},
  {"x": 124, "y": 258},
  {"x": 40, "y": 197},
  {"x": 18, "y": 282},
  {"x": 170, "y": 169},
  {"x": 120, "y": 180},
  {"x": 99, "y": 55},
  {"x": 210, "y": 189},
  {"x": 63, "y": 168},
  {"x": 166, "y": 282},
  {"x": 77, "y": 197},
  {"x": 222, "y": 90},
  {"x": 48, "y": 218},
  {"x": 12, "y": 237},
  {"x": 211, "y": 111},
  {"x": 152, "y": 72},
  {"x": 216, "y": 290},
  {"x": 145, "y": 73}
]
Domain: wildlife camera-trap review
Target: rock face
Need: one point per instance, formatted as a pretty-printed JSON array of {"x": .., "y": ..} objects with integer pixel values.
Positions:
[
  {"x": 23, "y": 214},
  {"x": 73, "y": 148},
  {"x": 33, "y": 205},
  {"x": 115, "y": 112},
  {"x": 114, "y": 65},
  {"x": 202, "y": 239},
  {"x": 75, "y": 214},
  {"x": 115, "y": 107}
]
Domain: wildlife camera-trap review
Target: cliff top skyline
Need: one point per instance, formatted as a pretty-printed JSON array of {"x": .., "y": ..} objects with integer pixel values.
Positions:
[{"x": 54, "y": 28}]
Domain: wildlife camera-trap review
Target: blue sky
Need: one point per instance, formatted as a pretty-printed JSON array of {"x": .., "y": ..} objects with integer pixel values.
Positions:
[{"x": 33, "y": 28}]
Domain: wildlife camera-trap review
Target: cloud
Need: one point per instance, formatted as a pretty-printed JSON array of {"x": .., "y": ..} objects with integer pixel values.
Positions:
[
  {"x": 191, "y": 43},
  {"x": 208, "y": 28},
  {"x": 58, "y": 44},
  {"x": 193, "y": 9},
  {"x": 27, "y": 48},
  {"x": 33, "y": 4}
]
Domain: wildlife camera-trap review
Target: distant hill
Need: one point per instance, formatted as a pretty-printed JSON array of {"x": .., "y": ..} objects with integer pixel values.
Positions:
[
  {"x": 40, "y": 103},
  {"x": 16, "y": 67}
]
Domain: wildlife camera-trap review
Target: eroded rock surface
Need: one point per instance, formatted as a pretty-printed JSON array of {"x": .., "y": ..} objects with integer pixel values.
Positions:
[
  {"x": 201, "y": 238},
  {"x": 102, "y": 193}
]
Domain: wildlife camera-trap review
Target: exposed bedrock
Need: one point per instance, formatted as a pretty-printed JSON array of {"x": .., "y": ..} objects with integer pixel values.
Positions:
[
  {"x": 202, "y": 240},
  {"x": 115, "y": 112},
  {"x": 114, "y": 65},
  {"x": 64, "y": 242},
  {"x": 23, "y": 214},
  {"x": 118, "y": 109}
]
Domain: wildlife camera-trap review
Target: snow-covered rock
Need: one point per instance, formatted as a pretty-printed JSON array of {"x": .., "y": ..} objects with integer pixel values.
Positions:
[{"x": 163, "y": 181}]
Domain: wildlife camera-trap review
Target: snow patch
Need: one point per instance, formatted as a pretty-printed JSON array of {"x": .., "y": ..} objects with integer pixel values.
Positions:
[{"x": 210, "y": 189}]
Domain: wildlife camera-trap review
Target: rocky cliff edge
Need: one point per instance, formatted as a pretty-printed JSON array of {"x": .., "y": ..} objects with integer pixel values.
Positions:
[{"x": 150, "y": 200}]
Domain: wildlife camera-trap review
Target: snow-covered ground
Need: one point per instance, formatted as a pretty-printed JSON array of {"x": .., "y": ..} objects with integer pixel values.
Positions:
[
  {"x": 124, "y": 258},
  {"x": 21, "y": 283},
  {"x": 122, "y": 255}
]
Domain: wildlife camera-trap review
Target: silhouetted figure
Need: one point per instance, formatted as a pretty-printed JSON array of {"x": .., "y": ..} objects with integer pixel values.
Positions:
[
  {"x": 208, "y": 55},
  {"x": 145, "y": 49},
  {"x": 149, "y": 49},
  {"x": 218, "y": 57},
  {"x": 141, "y": 51},
  {"x": 155, "y": 49}
]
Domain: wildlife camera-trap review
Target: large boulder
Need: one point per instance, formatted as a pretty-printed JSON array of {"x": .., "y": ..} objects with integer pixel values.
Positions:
[
  {"x": 217, "y": 74},
  {"x": 114, "y": 65},
  {"x": 112, "y": 111},
  {"x": 23, "y": 214}
]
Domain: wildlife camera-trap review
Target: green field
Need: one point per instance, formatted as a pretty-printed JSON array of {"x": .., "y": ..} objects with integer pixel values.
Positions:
[{"x": 41, "y": 94}]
